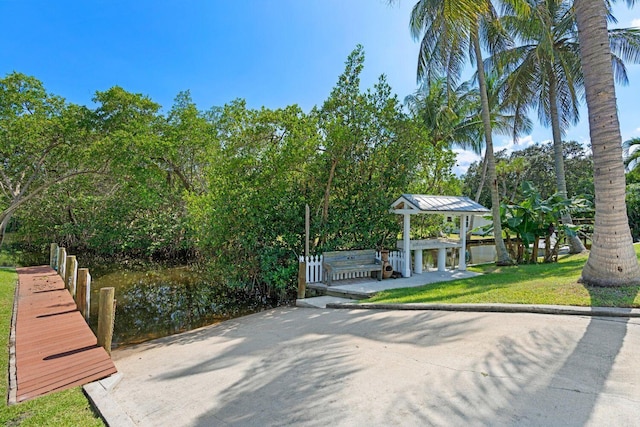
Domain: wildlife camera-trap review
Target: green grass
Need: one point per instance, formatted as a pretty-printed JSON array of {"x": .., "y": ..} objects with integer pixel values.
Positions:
[
  {"x": 65, "y": 408},
  {"x": 524, "y": 284}
]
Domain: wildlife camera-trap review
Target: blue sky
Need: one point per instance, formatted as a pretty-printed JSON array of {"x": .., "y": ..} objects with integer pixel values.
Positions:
[{"x": 269, "y": 52}]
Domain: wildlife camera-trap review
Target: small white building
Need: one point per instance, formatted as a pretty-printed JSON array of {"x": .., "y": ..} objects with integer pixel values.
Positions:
[{"x": 449, "y": 206}]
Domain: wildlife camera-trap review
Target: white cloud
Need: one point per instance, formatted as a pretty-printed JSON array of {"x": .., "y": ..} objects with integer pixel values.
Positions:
[
  {"x": 464, "y": 158},
  {"x": 519, "y": 144},
  {"x": 635, "y": 22}
]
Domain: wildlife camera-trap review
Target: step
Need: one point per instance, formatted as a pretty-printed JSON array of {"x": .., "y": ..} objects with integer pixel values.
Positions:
[{"x": 320, "y": 302}]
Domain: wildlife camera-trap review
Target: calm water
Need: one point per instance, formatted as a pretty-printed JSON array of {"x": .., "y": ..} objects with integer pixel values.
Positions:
[
  {"x": 161, "y": 302},
  {"x": 480, "y": 254}
]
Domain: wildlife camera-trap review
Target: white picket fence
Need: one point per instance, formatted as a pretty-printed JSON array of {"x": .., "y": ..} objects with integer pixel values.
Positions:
[{"x": 314, "y": 267}]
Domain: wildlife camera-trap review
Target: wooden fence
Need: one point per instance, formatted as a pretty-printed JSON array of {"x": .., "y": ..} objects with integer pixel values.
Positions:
[
  {"x": 78, "y": 282},
  {"x": 314, "y": 267}
]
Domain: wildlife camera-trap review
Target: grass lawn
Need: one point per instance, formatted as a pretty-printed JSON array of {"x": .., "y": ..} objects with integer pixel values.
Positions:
[
  {"x": 65, "y": 408},
  {"x": 522, "y": 284}
]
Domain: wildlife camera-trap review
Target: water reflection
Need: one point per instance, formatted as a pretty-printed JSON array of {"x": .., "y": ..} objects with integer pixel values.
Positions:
[
  {"x": 481, "y": 254},
  {"x": 161, "y": 302}
]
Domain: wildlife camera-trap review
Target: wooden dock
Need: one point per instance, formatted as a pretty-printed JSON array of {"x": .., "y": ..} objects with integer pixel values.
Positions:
[{"x": 54, "y": 347}]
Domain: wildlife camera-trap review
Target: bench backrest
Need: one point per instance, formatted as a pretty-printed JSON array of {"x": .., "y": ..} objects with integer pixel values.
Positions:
[{"x": 366, "y": 255}]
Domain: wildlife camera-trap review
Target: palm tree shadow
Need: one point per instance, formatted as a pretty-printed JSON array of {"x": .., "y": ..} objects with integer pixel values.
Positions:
[
  {"x": 550, "y": 376},
  {"x": 584, "y": 375},
  {"x": 571, "y": 397}
]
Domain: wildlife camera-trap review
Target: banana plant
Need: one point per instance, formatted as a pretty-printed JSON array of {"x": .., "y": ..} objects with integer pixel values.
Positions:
[{"x": 535, "y": 218}]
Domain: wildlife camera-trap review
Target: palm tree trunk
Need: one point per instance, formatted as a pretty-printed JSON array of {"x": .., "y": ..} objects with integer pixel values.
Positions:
[
  {"x": 575, "y": 244},
  {"x": 501, "y": 250},
  {"x": 477, "y": 197},
  {"x": 482, "y": 177},
  {"x": 612, "y": 260}
]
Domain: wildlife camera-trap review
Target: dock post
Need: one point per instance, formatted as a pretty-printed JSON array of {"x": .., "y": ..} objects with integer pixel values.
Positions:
[
  {"x": 106, "y": 317},
  {"x": 62, "y": 257},
  {"x": 71, "y": 274},
  {"x": 83, "y": 293},
  {"x": 302, "y": 279},
  {"x": 53, "y": 256},
  {"x": 302, "y": 266}
]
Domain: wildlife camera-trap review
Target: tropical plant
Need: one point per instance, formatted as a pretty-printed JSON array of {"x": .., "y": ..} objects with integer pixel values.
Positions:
[
  {"x": 449, "y": 113},
  {"x": 540, "y": 170},
  {"x": 450, "y": 31},
  {"x": 631, "y": 155},
  {"x": 544, "y": 72},
  {"x": 612, "y": 260},
  {"x": 455, "y": 117},
  {"x": 633, "y": 209},
  {"x": 534, "y": 218}
]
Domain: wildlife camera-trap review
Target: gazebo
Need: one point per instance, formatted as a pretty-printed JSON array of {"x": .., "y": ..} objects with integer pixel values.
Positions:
[{"x": 413, "y": 204}]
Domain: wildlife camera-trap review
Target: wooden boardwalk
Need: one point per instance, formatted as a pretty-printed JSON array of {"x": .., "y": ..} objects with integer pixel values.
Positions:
[{"x": 54, "y": 347}]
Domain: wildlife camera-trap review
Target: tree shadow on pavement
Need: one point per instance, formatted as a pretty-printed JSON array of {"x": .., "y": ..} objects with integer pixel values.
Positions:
[
  {"x": 551, "y": 376},
  {"x": 357, "y": 367},
  {"x": 278, "y": 367}
]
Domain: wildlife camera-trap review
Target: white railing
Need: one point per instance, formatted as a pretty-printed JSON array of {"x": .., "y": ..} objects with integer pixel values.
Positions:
[{"x": 314, "y": 267}]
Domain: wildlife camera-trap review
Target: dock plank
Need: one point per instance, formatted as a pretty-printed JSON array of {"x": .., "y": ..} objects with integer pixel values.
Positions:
[{"x": 54, "y": 347}]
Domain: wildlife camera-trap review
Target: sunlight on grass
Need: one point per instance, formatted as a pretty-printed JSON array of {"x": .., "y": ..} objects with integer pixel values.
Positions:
[
  {"x": 555, "y": 284},
  {"x": 66, "y": 408}
]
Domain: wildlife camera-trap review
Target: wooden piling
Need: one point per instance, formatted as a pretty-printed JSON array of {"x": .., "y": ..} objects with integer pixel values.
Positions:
[
  {"x": 302, "y": 267},
  {"x": 83, "y": 292},
  {"x": 302, "y": 279},
  {"x": 71, "y": 274},
  {"x": 106, "y": 317},
  {"x": 62, "y": 258},
  {"x": 53, "y": 256}
]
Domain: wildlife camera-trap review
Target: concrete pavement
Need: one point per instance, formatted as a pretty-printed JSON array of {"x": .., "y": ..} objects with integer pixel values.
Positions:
[{"x": 354, "y": 367}]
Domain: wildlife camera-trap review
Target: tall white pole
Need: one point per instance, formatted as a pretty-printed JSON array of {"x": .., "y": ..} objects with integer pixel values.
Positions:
[
  {"x": 462, "y": 262},
  {"x": 307, "y": 234},
  {"x": 407, "y": 245}
]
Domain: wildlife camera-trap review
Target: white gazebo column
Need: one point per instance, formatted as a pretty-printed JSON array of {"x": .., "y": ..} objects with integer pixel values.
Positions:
[
  {"x": 417, "y": 261},
  {"x": 442, "y": 259},
  {"x": 406, "y": 245},
  {"x": 462, "y": 262}
]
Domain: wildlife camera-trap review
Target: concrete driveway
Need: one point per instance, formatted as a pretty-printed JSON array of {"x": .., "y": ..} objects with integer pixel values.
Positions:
[{"x": 324, "y": 367}]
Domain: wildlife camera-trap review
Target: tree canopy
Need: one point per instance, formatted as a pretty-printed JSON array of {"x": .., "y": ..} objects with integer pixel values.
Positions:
[{"x": 226, "y": 186}]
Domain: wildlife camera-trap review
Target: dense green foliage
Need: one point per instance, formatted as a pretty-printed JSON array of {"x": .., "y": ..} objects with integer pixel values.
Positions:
[
  {"x": 534, "y": 219},
  {"x": 536, "y": 164},
  {"x": 633, "y": 209},
  {"x": 348, "y": 159},
  {"x": 225, "y": 187}
]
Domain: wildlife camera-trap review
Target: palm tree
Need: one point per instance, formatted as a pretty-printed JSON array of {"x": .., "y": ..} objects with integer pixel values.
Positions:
[
  {"x": 544, "y": 71},
  {"x": 612, "y": 260},
  {"x": 631, "y": 154},
  {"x": 454, "y": 117},
  {"x": 449, "y": 113},
  {"x": 451, "y": 31}
]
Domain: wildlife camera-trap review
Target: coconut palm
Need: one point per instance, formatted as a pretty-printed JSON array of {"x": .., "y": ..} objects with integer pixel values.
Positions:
[
  {"x": 631, "y": 153},
  {"x": 454, "y": 117},
  {"x": 544, "y": 70},
  {"x": 612, "y": 260},
  {"x": 450, "y": 32},
  {"x": 447, "y": 112}
]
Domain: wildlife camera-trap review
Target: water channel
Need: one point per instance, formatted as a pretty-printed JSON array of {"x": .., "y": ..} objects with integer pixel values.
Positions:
[
  {"x": 154, "y": 302},
  {"x": 162, "y": 301}
]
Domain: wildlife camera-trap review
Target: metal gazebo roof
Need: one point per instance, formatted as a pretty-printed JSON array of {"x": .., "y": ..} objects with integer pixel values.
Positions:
[{"x": 425, "y": 204}]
